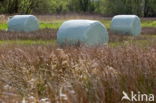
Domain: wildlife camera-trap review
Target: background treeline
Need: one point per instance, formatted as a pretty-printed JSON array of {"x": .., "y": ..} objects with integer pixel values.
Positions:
[{"x": 104, "y": 7}]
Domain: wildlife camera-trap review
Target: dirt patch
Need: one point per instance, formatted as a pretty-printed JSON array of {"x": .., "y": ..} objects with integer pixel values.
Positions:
[
  {"x": 44, "y": 34},
  {"x": 148, "y": 30},
  {"x": 119, "y": 37},
  {"x": 49, "y": 34}
]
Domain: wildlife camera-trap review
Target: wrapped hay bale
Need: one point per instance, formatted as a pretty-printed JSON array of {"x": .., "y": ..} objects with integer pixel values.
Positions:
[
  {"x": 126, "y": 24},
  {"x": 82, "y": 31},
  {"x": 23, "y": 23}
]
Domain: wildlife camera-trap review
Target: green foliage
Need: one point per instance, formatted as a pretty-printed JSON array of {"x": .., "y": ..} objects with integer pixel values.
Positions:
[
  {"x": 105, "y": 7},
  {"x": 82, "y": 5},
  {"x": 111, "y": 7},
  {"x": 18, "y": 6},
  {"x": 25, "y": 6},
  {"x": 59, "y": 6},
  {"x": 150, "y": 8},
  {"x": 138, "y": 7}
]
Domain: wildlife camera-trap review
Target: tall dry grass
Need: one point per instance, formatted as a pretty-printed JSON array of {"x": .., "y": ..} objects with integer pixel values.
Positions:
[{"x": 75, "y": 74}]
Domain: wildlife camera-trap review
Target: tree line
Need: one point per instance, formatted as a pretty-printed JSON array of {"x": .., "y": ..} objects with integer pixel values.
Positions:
[{"x": 144, "y": 8}]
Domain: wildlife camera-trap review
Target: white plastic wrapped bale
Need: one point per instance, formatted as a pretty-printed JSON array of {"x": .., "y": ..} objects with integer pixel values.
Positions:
[
  {"x": 126, "y": 24},
  {"x": 82, "y": 31},
  {"x": 23, "y": 23}
]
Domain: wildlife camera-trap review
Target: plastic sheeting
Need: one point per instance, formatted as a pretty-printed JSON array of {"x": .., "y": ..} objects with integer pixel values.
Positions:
[
  {"x": 84, "y": 31},
  {"x": 126, "y": 24},
  {"x": 23, "y": 23}
]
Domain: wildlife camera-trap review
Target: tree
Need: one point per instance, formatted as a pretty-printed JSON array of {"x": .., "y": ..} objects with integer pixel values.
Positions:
[
  {"x": 150, "y": 8},
  {"x": 105, "y": 7},
  {"x": 84, "y": 5},
  {"x": 27, "y": 6},
  {"x": 143, "y": 8}
]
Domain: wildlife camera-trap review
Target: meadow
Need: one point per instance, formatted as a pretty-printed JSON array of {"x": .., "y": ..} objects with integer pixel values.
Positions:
[
  {"x": 34, "y": 69},
  {"x": 50, "y": 24}
]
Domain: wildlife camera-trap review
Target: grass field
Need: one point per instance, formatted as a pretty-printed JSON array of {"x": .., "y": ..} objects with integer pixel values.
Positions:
[
  {"x": 27, "y": 42},
  {"x": 50, "y": 24},
  {"x": 34, "y": 69},
  {"x": 55, "y": 24}
]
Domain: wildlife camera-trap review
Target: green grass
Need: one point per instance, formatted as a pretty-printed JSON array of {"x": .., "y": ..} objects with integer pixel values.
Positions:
[
  {"x": 106, "y": 23},
  {"x": 149, "y": 23},
  {"x": 28, "y": 42},
  {"x": 43, "y": 25},
  {"x": 58, "y": 23},
  {"x": 3, "y": 26},
  {"x": 52, "y": 25}
]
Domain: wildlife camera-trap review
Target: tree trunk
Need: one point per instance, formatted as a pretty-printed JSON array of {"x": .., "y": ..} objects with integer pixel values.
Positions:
[
  {"x": 16, "y": 6},
  {"x": 84, "y": 5},
  {"x": 143, "y": 8}
]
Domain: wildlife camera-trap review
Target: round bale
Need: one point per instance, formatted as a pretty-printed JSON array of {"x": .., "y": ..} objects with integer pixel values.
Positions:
[
  {"x": 126, "y": 24},
  {"x": 82, "y": 31},
  {"x": 23, "y": 23}
]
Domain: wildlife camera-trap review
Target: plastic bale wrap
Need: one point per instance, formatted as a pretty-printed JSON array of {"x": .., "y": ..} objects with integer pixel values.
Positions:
[
  {"x": 23, "y": 23},
  {"x": 82, "y": 31},
  {"x": 126, "y": 24}
]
